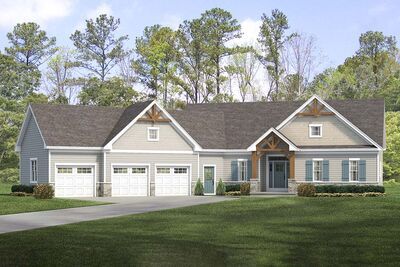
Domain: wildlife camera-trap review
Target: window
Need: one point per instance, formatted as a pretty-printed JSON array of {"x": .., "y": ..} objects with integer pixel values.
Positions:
[
  {"x": 153, "y": 134},
  {"x": 84, "y": 170},
  {"x": 64, "y": 170},
  {"x": 120, "y": 170},
  {"x": 180, "y": 170},
  {"x": 163, "y": 170},
  {"x": 138, "y": 170},
  {"x": 353, "y": 168},
  {"x": 242, "y": 168},
  {"x": 317, "y": 170},
  {"x": 34, "y": 171},
  {"x": 315, "y": 130}
]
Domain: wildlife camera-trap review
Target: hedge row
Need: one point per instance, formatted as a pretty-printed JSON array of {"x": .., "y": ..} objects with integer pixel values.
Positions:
[
  {"x": 22, "y": 188},
  {"x": 349, "y": 189},
  {"x": 232, "y": 187}
]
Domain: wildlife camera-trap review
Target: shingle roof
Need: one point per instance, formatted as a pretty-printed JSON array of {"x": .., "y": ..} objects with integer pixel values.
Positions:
[{"x": 213, "y": 126}]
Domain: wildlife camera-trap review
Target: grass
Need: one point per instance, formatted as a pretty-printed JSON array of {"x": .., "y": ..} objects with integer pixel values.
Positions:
[
  {"x": 249, "y": 231},
  {"x": 12, "y": 204}
]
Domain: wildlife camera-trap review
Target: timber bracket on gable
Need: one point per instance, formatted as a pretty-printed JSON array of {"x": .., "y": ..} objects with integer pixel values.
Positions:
[{"x": 154, "y": 115}]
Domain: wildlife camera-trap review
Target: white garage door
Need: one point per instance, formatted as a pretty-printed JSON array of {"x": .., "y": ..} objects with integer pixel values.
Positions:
[
  {"x": 129, "y": 181},
  {"x": 172, "y": 181},
  {"x": 74, "y": 181}
]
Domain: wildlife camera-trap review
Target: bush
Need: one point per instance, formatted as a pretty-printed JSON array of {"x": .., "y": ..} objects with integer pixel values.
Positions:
[
  {"x": 19, "y": 194},
  {"x": 232, "y": 187},
  {"x": 391, "y": 182},
  {"x": 306, "y": 190},
  {"x": 349, "y": 189},
  {"x": 22, "y": 188},
  {"x": 367, "y": 194},
  {"x": 245, "y": 189},
  {"x": 199, "y": 189},
  {"x": 220, "y": 188},
  {"x": 9, "y": 175},
  {"x": 232, "y": 193},
  {"x": 43, "y": 191}
]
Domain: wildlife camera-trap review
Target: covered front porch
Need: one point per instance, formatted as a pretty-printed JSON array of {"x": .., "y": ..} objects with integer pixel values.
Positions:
[{"x": 273, "y": 164}]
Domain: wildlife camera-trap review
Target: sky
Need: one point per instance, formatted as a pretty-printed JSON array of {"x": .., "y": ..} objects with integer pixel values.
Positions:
[{"x": 336, "y": 24}]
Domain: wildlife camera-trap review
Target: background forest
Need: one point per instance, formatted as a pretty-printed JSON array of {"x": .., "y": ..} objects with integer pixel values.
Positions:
[{"x": 202, "y": 61}]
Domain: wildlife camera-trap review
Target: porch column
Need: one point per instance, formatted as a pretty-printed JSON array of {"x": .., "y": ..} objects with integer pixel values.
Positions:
[
  {"x": 291, "y": 165},
  {"x": 254, "y": 165}
]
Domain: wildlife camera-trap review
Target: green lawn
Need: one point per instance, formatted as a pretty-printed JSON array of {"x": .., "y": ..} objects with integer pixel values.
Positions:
[
  {"x": 249, "y": 231},
  {"x": 12, "y": 204}
]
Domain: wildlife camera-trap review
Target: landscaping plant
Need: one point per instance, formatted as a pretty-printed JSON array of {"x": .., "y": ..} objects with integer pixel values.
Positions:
[
  {"x": 306, "y": 190},
  {"x": 199, "y": 188},
  {"x": 43, "y": 191},
  {"x": 245, "y": 189},
  {"x": 221, "y": 188}
]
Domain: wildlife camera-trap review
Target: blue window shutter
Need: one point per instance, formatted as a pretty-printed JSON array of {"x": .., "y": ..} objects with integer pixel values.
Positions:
[
  {"x": 325, "y": 170},
  {"x": 345, "y": 171},
  {"x": 362, "y": 175},
  {"x": 309, "y": 170},
  {"x": 234, "y": 170},
  {"x": 249, "y": 170}
]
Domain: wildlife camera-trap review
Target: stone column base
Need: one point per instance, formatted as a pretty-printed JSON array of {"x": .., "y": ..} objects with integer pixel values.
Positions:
[
  {"x": 103, "y": 190},
  {"x": 292, "y": 186},
  {"x": 254, "y": 185}
]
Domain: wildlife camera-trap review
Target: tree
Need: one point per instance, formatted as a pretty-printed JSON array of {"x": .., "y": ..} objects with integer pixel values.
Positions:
[
  {"x": 112, "y": 92},
  {"x": 99, "y": 50},
  {"x": 218, "y": 28},
  {"x": 60, "y": 78},
  {"x": 156, "y": 61},
  {"x": 30, "y": 45},
  {"x": 242, "y": 69},
  {"x": 373, "y": 43},
  {"x": 272, "y": 38},
  {"x": 17, "y": 80},
  {"x": 391, "y": 164}
]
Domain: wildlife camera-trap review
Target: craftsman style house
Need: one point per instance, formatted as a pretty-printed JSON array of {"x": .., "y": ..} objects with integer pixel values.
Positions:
[{"x": 145, "y": 150}]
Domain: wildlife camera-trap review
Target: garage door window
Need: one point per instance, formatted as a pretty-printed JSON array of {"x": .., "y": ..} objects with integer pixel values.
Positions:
[
  {"x": 64, "y": 170},
  {"x": 180, "y": 170},
  {"x": 138, "y": 170},
  {"x": 120, "y": 170},
  {"x": 163, "y": 170},
  {"x": 84, "y": 170}
]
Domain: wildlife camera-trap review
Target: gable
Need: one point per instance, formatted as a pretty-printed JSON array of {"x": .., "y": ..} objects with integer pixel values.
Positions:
[{"x": 31, "y": 136}]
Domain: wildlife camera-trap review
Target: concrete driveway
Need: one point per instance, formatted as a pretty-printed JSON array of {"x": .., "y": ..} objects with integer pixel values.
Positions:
[{"x": 122, "y": 206}]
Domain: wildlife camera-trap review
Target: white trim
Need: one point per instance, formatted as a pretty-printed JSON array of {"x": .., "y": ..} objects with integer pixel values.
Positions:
[
  {"x": 148, "y": 134},
  {"x": 152, "y": 151},
  {"x": 322, "y": 170},
  {"x": 354, "y": 159},
  {"x": 310, "y": 131},
  {"x": 127, "y": 165},
  {"x": 237, "y": 151},
  {"x": 358, "y": 170},
  {"x": 73, "y": 148},
  {"x": 292, "y": 147},
  {"x": 318, "y": 159},
  {"x": 356, "y": 129},
  {"x": 92, "y": 164},
  {"x": 172, "y": 165},
  {"x": 247, "y": 170},
  {"x": 30, "y": 171},
  {"x": 25, "y": 126},
  {"x": 174, "y": 123},
  {"x": 215, "y": 178},
  {"x": 339, "y": 150},
  {"x": 104, "y": 166}
]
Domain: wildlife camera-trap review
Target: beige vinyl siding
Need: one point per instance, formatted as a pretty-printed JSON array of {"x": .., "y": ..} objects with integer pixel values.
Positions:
[
  {"x": 136, "y": 138},
  {"x": 152, "y": 159},
  {"x": 223, "y": 162},
  {"x": 78, "y": 158},
  {"x": 334, "y": 132},
  {"x": 33, "y": 147},
  {"x": 335, "y": 165}
]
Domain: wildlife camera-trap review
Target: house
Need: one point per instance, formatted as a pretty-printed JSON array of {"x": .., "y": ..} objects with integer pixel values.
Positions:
[{"x": 145, "y": 150}]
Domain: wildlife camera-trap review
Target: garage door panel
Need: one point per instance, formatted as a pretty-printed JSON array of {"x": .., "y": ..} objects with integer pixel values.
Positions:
[
  {"x": 172, "y": 181},
  {"x": 74, "y": 184},
  {"x": 126, "y": 182}
]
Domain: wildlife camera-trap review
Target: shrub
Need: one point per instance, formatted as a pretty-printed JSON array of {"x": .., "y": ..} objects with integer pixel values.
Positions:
[
  {"x": 19, "y": 194},
  {"x": 43, "y": 191},
  {"x": 232, "y": 187},
  {"x": 220, "y": 188},
  {"x": 9, "y": 175},
  {"x": 245, "y": 189},
  {"x": 349, "y": 188},
  {"x": 391, "y": 182},
  {"x": 22, "y": 188},
  {"x": 306, "y": 190},
  {"x": 367, "y": 194},
  {"x": 199, "y": 189},
  {"x": 233, "y": 193}
]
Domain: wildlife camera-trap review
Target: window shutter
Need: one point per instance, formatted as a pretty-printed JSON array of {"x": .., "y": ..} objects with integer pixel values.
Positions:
[
  {"x": 362, "y": 175},
  {"x": 234, "y": 170},
  {"x": 249, "y": 170},
  {"x": 325, "y": 171},
  {"x": 309, "y": 170},
  {"x": 345, "y": 171}
]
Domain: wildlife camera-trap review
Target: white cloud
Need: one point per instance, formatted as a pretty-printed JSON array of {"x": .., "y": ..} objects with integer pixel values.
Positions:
[
  {"x": 99, "y": 10},
  {"x": 39, "y": 11},
  {"x": 250, "y": 30}
]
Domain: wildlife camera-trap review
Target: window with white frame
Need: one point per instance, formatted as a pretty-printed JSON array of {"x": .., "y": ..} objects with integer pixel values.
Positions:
[
  {"x": 120, "y": 170},
  {"x": 34, "y": 170},
  {"x": 64, "y": 170},
  {"x": 84, "y": 170},
  {"x": 315, "y": 130},
  {"x": 138, "y": 170},
  {"x": 242, "y": 169},
  {"x": 153, "y": 133},
  {"x": 353, "y": 168},
  {"x": 317, "y": 170}
]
